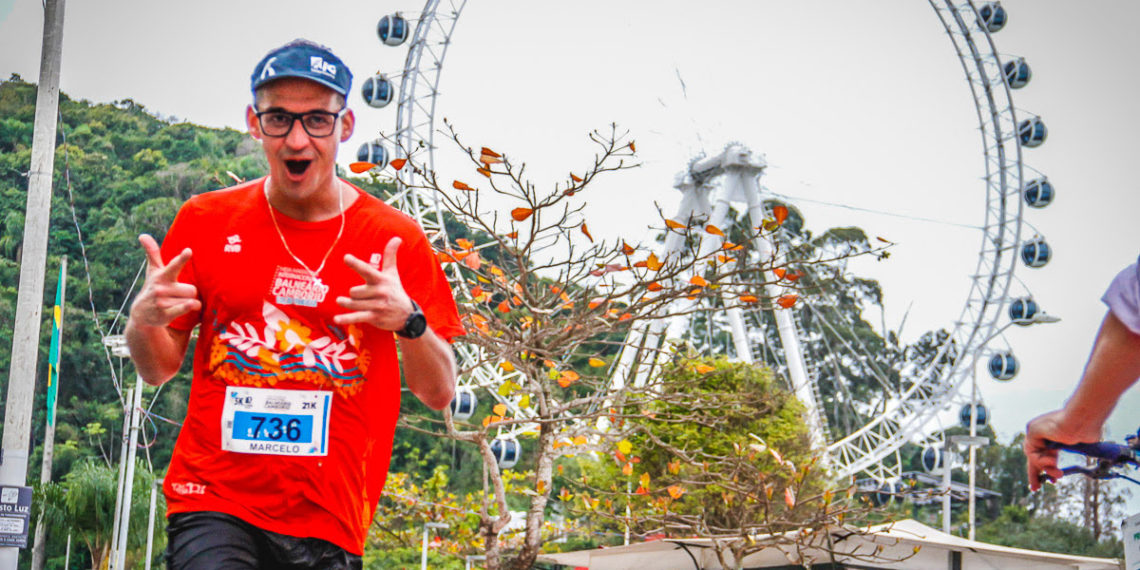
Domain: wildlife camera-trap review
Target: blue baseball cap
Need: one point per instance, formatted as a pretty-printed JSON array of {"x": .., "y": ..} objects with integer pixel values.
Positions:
[{"x": 304, "y": 59}]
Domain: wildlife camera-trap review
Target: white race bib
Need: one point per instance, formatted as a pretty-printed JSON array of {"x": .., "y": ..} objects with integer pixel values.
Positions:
[{"x": 276, "y": 422}]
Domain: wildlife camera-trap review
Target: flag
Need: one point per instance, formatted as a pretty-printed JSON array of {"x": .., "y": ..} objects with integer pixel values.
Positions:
[{"x": 53, "y": 354}]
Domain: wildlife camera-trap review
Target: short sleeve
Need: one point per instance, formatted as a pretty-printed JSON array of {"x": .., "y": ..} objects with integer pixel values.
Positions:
[
  {"x": 424, "y": 280},
  {"x": 179, "y": 238},
  {"x": 1123, "y": 297}
]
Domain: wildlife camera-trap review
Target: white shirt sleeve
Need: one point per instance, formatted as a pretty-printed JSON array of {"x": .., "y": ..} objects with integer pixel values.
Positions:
[{"x": 1123, "y": 297}]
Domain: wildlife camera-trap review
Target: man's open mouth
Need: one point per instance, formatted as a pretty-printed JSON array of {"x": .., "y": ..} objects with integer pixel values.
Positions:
[{"x": 297, "y": 167}]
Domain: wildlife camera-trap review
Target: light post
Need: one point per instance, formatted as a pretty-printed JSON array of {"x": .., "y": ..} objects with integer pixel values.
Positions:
[
  {"x": 973, "y": 441},
  {"x": 423, "y": 555}
]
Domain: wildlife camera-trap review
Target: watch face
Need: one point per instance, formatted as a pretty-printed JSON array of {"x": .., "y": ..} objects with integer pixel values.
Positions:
[{"x": 416, "y": 325}]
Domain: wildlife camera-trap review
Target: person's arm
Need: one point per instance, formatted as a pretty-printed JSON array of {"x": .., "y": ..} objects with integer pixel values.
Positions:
[
  {"x": 429, "y": 364},
  {"x": 156, "y": 348},
  {"x": 1113, "y": 366},
  {"x": 429, "y": 367}
]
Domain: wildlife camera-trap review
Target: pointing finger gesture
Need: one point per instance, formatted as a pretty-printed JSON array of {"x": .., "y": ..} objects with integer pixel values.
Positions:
[
  {"x": 163, "y": 298},
  {"x": 381, "y": 301}
]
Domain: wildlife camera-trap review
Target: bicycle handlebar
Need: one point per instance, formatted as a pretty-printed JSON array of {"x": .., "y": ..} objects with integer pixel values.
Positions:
[{"x": 1113, "y": 452}]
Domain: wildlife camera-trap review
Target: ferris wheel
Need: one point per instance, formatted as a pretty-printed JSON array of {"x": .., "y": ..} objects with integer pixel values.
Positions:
[{"x": 862, "y": 433}]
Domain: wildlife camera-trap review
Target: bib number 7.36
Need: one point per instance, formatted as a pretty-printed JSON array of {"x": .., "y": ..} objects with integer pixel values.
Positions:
[{"x": 276, "y": 422}]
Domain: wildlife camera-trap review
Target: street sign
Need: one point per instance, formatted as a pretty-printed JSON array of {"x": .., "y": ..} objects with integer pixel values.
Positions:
[{"x": 15, "y": 515}]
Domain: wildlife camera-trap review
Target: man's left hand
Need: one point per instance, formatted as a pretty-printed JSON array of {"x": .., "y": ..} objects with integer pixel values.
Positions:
[{"x": 381, "y": 301}]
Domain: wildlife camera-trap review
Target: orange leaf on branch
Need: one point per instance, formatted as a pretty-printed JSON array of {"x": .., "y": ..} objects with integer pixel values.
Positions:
[
  {"x": 567, "y": 377},
  {"x": 704, "y": 368},
  {"x": 488, "y": 152},
  {"x": 676, "y": 491},
  {"x": 359, "y": 167},
  {"x": 480, "y": 322},
  {"x": 699, "y": 281},
  {"x": 655, "y": 286},
  {"x": 399, "y": 163},
  {"x": 512, "y": 235},
  {"x": 521, "y": 214},
  {"x": 653, "y": 263},
  {"x": 779, "y": 272},
  {"x": 794, "y": 276},
  {"x": 632, "y": 147},
  {"x": 575, "y": 177},
  {"x": 484, "y": 171},
  {"x": 587, "y": 232},
  {"x": 596, "y": 362},
  {"x": 464, "y": 243},
  {"x": 627, "y": 249},
  {"x": 748, "y": 299},
  {"x": 714, "y": 230},
  {"x": 789, "y": 497},
  {"x": 674, "y": 225},
  {"x": 461, "y": 186},
  {"x": 787, "y": 301},
  {"x": 503, "y": 307},
  {"x": 780, "y": 213}
]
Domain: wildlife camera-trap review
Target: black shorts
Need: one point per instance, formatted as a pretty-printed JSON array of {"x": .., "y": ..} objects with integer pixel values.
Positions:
[{"x": 208, "y": 540}]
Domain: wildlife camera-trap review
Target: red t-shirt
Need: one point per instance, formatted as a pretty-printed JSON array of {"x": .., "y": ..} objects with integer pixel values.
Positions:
[{"x": 267, "y": 329}]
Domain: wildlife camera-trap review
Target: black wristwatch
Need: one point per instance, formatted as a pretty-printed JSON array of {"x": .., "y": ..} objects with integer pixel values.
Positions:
[{"x": 416, "y": 324}]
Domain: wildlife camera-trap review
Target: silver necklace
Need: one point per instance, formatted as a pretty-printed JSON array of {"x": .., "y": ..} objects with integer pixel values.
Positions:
[{"x": 316, "y": 274}]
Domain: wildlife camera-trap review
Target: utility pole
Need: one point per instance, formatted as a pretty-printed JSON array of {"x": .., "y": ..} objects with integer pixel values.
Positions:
[{"x": 29, "y": 300}]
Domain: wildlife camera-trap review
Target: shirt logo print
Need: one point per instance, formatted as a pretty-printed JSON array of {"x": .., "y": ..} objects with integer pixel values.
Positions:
[{"x": 233, "y": 244}]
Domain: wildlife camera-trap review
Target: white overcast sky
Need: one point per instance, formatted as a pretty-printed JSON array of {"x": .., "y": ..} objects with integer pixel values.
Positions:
[{"x": 860, "y": 103}]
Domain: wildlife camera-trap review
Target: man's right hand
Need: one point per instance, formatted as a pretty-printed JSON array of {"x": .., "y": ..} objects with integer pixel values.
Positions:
[
  {"x": 1056, "y": 426},
  {"x": 163, "y": 298}
]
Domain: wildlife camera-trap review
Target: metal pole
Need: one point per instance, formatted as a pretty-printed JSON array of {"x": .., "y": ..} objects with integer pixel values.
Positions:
[
  {"x": 423, "y": 555},
  {"x": 129, "y": 480},
  {"x": 122, "y": 470},
  {"x": 29, "y": 298},
  {"x": 40, "y": 547},
  {"x": 67, "y": 553},
  {"x": 946, "y": 486},
  {"x": 973, "y": 448},
  {"x": 150, "y": 521}
]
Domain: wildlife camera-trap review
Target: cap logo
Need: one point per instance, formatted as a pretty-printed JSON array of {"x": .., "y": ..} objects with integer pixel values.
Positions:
[
  {"x": 319, "y": 65},
  {"x": 267, "y": 70}
]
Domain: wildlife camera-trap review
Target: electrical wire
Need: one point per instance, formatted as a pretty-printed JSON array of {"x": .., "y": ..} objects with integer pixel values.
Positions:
[
  {"x": 86, "y": 264},
  {"x": 870, "y": 210}
]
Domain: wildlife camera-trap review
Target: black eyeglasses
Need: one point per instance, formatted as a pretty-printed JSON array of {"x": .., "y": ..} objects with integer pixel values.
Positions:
[{"x": 279, "y": 123}]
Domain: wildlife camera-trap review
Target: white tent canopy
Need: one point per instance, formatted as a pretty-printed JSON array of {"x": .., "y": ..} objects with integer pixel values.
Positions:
[{"x": 895, "y": 543}]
